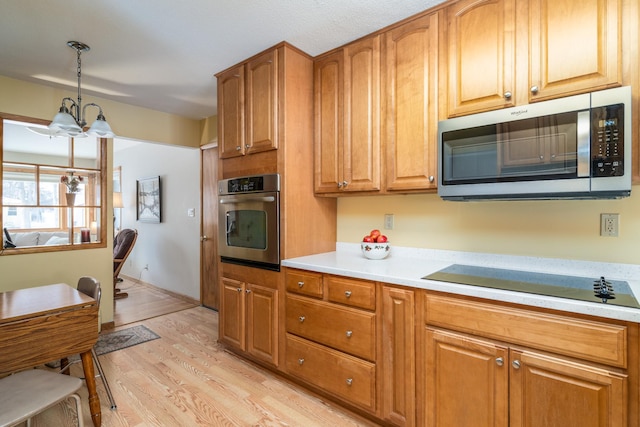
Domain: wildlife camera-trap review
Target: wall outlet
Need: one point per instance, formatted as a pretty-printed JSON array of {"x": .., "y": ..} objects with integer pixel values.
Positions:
[
  {"x": 388, "y": 221},
  {"x": 609, "y": 224}
]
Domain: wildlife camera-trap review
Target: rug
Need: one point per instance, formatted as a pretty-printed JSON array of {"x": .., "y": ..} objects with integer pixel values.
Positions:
[
  {"x": 117, "y": 340},
  {"x": 114, "y": 341}
]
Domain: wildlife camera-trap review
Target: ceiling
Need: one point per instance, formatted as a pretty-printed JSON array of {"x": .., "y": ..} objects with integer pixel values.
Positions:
[{"x": 163, "y": 54}]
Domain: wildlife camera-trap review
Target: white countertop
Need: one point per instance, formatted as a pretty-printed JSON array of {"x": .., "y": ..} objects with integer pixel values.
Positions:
[{"x": 407, "y": 266}]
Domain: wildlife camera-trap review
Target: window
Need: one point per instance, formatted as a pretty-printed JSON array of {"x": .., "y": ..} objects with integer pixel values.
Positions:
[{"x": 36, "y": 213}]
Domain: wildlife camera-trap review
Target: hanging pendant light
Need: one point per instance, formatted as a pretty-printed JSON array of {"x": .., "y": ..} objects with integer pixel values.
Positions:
[{"x": 70, "y": 120}]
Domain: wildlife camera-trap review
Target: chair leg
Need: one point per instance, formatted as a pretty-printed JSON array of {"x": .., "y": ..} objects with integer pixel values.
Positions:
[
  {"x": 104, "y": 379},
  {"x": 76, "y": 397}
]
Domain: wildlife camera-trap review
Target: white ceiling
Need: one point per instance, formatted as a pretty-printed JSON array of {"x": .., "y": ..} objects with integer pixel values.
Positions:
[{"x": 163, "y": 54}]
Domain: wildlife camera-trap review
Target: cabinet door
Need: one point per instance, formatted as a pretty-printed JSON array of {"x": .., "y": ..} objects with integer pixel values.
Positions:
[
  {"x": 361, "y": 152},
  {"x": 398, "y": 356},
  {"x": 549, "y": 391},
  {"x": 466, "y": 381},
  {"x": 328, "y": 101},
  {"x": 411, "y": 122},
  {"x": 231, "y": 112},
  {"x": 232, "y": 313},
  {"x": 575, "y": 46},
  {"x": 262, "y": 323},
  {"x": 481, "y": 62},
  {"x": 262, "y": 103}
]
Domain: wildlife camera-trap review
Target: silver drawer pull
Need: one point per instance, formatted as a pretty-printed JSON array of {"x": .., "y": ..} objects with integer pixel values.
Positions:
[
  {"x": 349, "y": 333},
  {"x": 301, "y": 319},
  {"x": 238, "y": 148},
  {"x": 515, "y": 364},
  {"x": 300, "y": 284},
  {"x": 300, "y": 361},
  {"x": 239, "y": 289},
  {"x": 347, "y": 294},
  {"x": 349, "y": 381},
  {"x": 499, "y": 361}
]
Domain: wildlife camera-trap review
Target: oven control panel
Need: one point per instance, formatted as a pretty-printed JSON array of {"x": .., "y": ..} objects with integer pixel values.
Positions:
[{"x": 249, "y": 184}]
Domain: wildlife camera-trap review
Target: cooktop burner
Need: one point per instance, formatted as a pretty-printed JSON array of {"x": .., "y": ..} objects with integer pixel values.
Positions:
[{"x": 599, "y": 290}]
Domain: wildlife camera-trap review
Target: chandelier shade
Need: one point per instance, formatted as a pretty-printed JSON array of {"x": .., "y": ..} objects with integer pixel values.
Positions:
[{"x": 70, "y": 121}]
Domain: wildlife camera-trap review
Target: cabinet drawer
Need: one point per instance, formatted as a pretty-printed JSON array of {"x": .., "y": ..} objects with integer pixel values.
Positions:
[
  {"x": 346, "y": 329},
  {"x": 584, "y": 339},
  {"x": 348, "y": 377},
  {"x": 356, "y": 293},
  {"x": 304, "y": 282}
]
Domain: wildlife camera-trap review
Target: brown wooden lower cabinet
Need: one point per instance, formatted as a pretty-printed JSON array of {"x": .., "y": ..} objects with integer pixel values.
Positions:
[
  {"x": 496, "y": 376},
  {"x": 249, "y": 312},
  {"x": 411, "y": 357},
  {"x": 349, "y": 377}
]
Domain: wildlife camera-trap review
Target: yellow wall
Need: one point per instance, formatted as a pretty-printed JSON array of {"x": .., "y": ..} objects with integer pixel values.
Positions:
[
  {"x": 554, "y": 229},
  {"x": 32, "y": 100}
]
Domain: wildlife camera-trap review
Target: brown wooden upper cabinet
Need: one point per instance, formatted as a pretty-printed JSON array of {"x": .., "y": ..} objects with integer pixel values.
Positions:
[
  {"x": 410, "y": 122},
  {"x": 358, "y": 129},
  {"x": 347, "y": 118},
  {"x": 248, "y": 106},
  {"x": 502, "y": 54}
]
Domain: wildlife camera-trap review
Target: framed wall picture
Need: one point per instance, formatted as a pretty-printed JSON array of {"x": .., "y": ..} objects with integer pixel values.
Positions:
[{"x": 148, "y": 198}]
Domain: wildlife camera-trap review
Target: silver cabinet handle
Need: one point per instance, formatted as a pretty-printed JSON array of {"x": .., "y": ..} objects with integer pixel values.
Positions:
[
  {"x": 349, "y": 381},
  {"x": 345, "y": 183},
  {"x": 239, "y": 289},
  {"x": 431, "y": 178},
  {"x": 204, "y": 238},
  {"x": 301, "y": 319},
  {"x": 248, "y": 291},
  {"x": 238, "y": 148},
  {"x": 300, "y": 284},
  {"x": 515, "y": 364},
  {"x": 349, "y": 334},
  {"x": 300, "y": 361},
  {"x": 499, "y": 361},
  {"x": 347, "y": 294},
  {"x": 247, "y": 146},
  {"x": 507, "y": 95},
  {"x": 534, "y": 89}
]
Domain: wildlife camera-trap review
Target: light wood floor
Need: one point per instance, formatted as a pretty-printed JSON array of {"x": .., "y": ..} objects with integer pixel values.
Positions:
[
  {"x": 145, "y": 302},
  {"x": 186, "y": 379}
]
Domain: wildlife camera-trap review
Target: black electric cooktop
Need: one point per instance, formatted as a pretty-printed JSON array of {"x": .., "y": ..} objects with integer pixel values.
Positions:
[{"x": 598, "y": 289}]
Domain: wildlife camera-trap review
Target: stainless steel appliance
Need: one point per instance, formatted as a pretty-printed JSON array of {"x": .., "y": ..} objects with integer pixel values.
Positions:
[
  {"x": 249, "y": 221},
  {"x": 575, "y": 147}
]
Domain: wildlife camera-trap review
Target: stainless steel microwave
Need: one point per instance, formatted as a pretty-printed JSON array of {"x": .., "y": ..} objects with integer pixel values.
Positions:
[{"x": 578, "y": 147}]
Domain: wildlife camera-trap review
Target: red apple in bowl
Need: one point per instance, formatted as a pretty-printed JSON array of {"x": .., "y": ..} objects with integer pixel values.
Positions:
[
  {"x": 367, "y": 239},
  {"x": 382, "y": 239}
]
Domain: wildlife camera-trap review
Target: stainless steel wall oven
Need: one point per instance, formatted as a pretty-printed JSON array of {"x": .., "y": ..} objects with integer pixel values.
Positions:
[{"x": 249, "y": 221}]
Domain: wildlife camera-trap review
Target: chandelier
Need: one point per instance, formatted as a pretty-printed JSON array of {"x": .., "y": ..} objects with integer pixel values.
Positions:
[{"x": 70, "y": 119}]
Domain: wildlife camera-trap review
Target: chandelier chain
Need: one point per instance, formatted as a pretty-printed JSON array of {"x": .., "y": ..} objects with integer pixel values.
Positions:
[{"x": 79, "y": 119}]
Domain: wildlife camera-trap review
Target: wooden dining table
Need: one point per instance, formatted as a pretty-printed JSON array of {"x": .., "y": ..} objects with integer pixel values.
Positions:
[{"x": 47, "y": 323}]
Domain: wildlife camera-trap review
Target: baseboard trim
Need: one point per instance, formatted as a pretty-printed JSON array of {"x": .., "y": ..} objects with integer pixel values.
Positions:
[
  {"x": 170, "y": 293},
  {"x": 108, "y": 325}
]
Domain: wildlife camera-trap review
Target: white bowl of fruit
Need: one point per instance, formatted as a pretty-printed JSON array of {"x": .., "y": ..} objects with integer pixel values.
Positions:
[{"x": 375, "y": 245}]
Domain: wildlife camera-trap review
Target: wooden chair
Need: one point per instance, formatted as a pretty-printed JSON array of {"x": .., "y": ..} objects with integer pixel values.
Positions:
[
  {"x": 27, "y": 393},
  {"x": 122, "y": 246},
  {"x": 91, "y": 287}
]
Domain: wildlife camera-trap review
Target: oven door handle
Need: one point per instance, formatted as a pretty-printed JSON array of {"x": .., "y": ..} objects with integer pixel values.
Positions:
[{"x": 268, "y": 199}]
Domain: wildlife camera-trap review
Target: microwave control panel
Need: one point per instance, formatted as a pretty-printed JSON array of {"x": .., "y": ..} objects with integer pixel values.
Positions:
[{"x": 607, "y": 141}]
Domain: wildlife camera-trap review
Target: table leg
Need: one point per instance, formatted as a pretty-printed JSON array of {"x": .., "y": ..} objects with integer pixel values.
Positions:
[{"x": 90, "y": 378}]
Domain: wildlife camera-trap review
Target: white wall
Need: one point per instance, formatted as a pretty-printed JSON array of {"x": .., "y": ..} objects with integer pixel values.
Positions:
[{"x": 171, "y": 248}]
